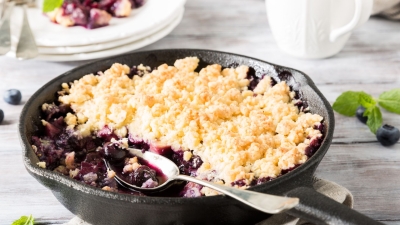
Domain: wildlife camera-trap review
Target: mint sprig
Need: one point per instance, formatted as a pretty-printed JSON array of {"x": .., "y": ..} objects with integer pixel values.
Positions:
[
  {"x": 24, "y": 220},
  {"x": 50, "y": 5},
  {"x": 348, "y": 102},
  {"x": 374, "y": 118},
  {"x": 390, "y": 100},
  {"x": 366, "y": 100}
]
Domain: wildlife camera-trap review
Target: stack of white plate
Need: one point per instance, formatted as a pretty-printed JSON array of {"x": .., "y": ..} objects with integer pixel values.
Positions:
[{"x": 147, "y": 24}]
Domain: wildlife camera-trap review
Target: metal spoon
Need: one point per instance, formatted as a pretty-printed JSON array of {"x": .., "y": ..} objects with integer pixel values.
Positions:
[{"x": 264, "y": 202}]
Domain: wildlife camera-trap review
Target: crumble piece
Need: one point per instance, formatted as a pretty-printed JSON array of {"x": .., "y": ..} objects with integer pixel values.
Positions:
[{"x": 42, "y": 165}]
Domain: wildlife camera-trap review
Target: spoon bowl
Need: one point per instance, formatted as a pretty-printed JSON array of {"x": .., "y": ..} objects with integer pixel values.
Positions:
[
  {"x": 170, "y": 173},
  {"x": 168, "y": 169}
]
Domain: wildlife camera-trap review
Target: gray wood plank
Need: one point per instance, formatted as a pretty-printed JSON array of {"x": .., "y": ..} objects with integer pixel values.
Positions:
[{"x": 370, "y": 172}]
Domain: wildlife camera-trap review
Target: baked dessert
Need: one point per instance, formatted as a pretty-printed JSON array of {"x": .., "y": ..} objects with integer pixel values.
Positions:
[
  {"x": 91, "y": 13},
  {"x": 224, "y": 125}
]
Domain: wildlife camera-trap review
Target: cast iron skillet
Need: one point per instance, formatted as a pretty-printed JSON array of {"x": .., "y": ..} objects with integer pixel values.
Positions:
[{"x": 102, "y": 207}]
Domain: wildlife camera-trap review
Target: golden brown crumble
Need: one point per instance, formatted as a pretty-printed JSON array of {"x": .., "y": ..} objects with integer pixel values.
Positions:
[{"x": 238, "y": 133}]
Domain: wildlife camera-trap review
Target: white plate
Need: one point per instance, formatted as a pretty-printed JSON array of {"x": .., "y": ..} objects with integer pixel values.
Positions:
[
  {"x": 142, "y": 20},
  {"x": 105, "y": 45},
  {"x": 118, "y": 50}
]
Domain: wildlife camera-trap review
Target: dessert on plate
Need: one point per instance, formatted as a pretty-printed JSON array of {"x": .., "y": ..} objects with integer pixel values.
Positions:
[
  {"x": 224, "y": 125},
  {"x": 91, "y": 13}
]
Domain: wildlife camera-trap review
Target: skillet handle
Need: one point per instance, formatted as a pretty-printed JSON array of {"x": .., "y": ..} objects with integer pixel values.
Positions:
[{"x": 319, "y": 209}]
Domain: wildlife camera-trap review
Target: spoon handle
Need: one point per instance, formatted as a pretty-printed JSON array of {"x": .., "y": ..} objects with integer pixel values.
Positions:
[{"x": 264, "y": 202}]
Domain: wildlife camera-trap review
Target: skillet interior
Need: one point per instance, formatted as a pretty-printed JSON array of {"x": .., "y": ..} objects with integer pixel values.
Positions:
[{"x": 102, "y": 207}]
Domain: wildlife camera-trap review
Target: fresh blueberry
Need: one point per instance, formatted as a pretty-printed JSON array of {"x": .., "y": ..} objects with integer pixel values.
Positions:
[
  {"x": 1, "y": 116},
  {"x": 12, "y": 96},
  {"x": 388, "y": 135},
  {"x": 360, "y": 114}
]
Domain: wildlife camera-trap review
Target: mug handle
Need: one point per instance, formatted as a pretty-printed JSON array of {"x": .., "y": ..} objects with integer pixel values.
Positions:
[{"x": 359, "y": 5}]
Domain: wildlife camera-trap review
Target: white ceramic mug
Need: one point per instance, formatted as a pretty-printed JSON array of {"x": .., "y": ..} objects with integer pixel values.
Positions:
[{"x": 315, "y": 28}]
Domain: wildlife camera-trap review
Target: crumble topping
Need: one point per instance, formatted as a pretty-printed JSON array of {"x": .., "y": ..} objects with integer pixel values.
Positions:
[{"x": 239, "y": 134}]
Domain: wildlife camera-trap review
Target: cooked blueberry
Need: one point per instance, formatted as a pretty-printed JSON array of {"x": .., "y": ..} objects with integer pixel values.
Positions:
[
  {"x": 134, "y": 71},
  {"x": 260, "y": 180},
  {"x": 54, "y": 111},
  {"x": 186, "y": 167},
  {"x": 114, "y": 152},
  {"x": 191, "y": 190},
  {"x": 196, "y": 162},
  {"x": 80, "y": 15},
  {"x": 360, "y": 114},
  {"x": 251, "y": 73},
  {"x": 95, "y": 13},
  {"x": 138, "y": 3},
  {"x": 12, "y": 96},
  {"x": 93, "y": 158},
  {"x": 253, "y": 83},
  {"x": 107, "y": 134},
  {"x": 80, "y": 155},
  {"x": 254, "y": 79},
  {"x": 88, "y": 168},
  {"x": 313, "y": 147},
  {"x": 239, "y": 183},
  {"x": 1, "y": 116},
  {"x": 388, "y": 135},
  {"x": 285, "y": 76},
  {"x": 54, "y": 128},
  {"x": 233, "y": 65},
  {"x": 320, "y": 127},
  {"x": 141, "y": 175},
  {"x": 299, "y": 104},
  {"x": 273, "y": 82}
]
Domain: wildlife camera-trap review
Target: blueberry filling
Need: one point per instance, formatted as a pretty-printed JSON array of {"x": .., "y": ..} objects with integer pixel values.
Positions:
[
  {"x": 186, "y": 167},
  {"x": 261, "y": 180},
  {"x": 143, "y": 177},
  {"x": 82, "y": 158},
  {"x": 113, "y": 152},
  {"x": 96, "y": 13},
  {"x": 239, "y": 183},
  {"x": 285, "y": 76}
]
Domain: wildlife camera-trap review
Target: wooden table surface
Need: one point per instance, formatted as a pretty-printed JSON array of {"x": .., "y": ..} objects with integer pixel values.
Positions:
[{"x": 370, "y": 61}]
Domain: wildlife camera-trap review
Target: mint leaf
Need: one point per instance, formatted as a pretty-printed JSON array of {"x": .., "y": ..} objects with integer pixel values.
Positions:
[
  {"x": 347, "y": 103},
  {"x": 374, "y": 118},
  {"x": 50, "y": 5},
  {"x": 366, "y": 100},
  {"x": 24, "y": 220},
  {"x": 390, "y": 100}
]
